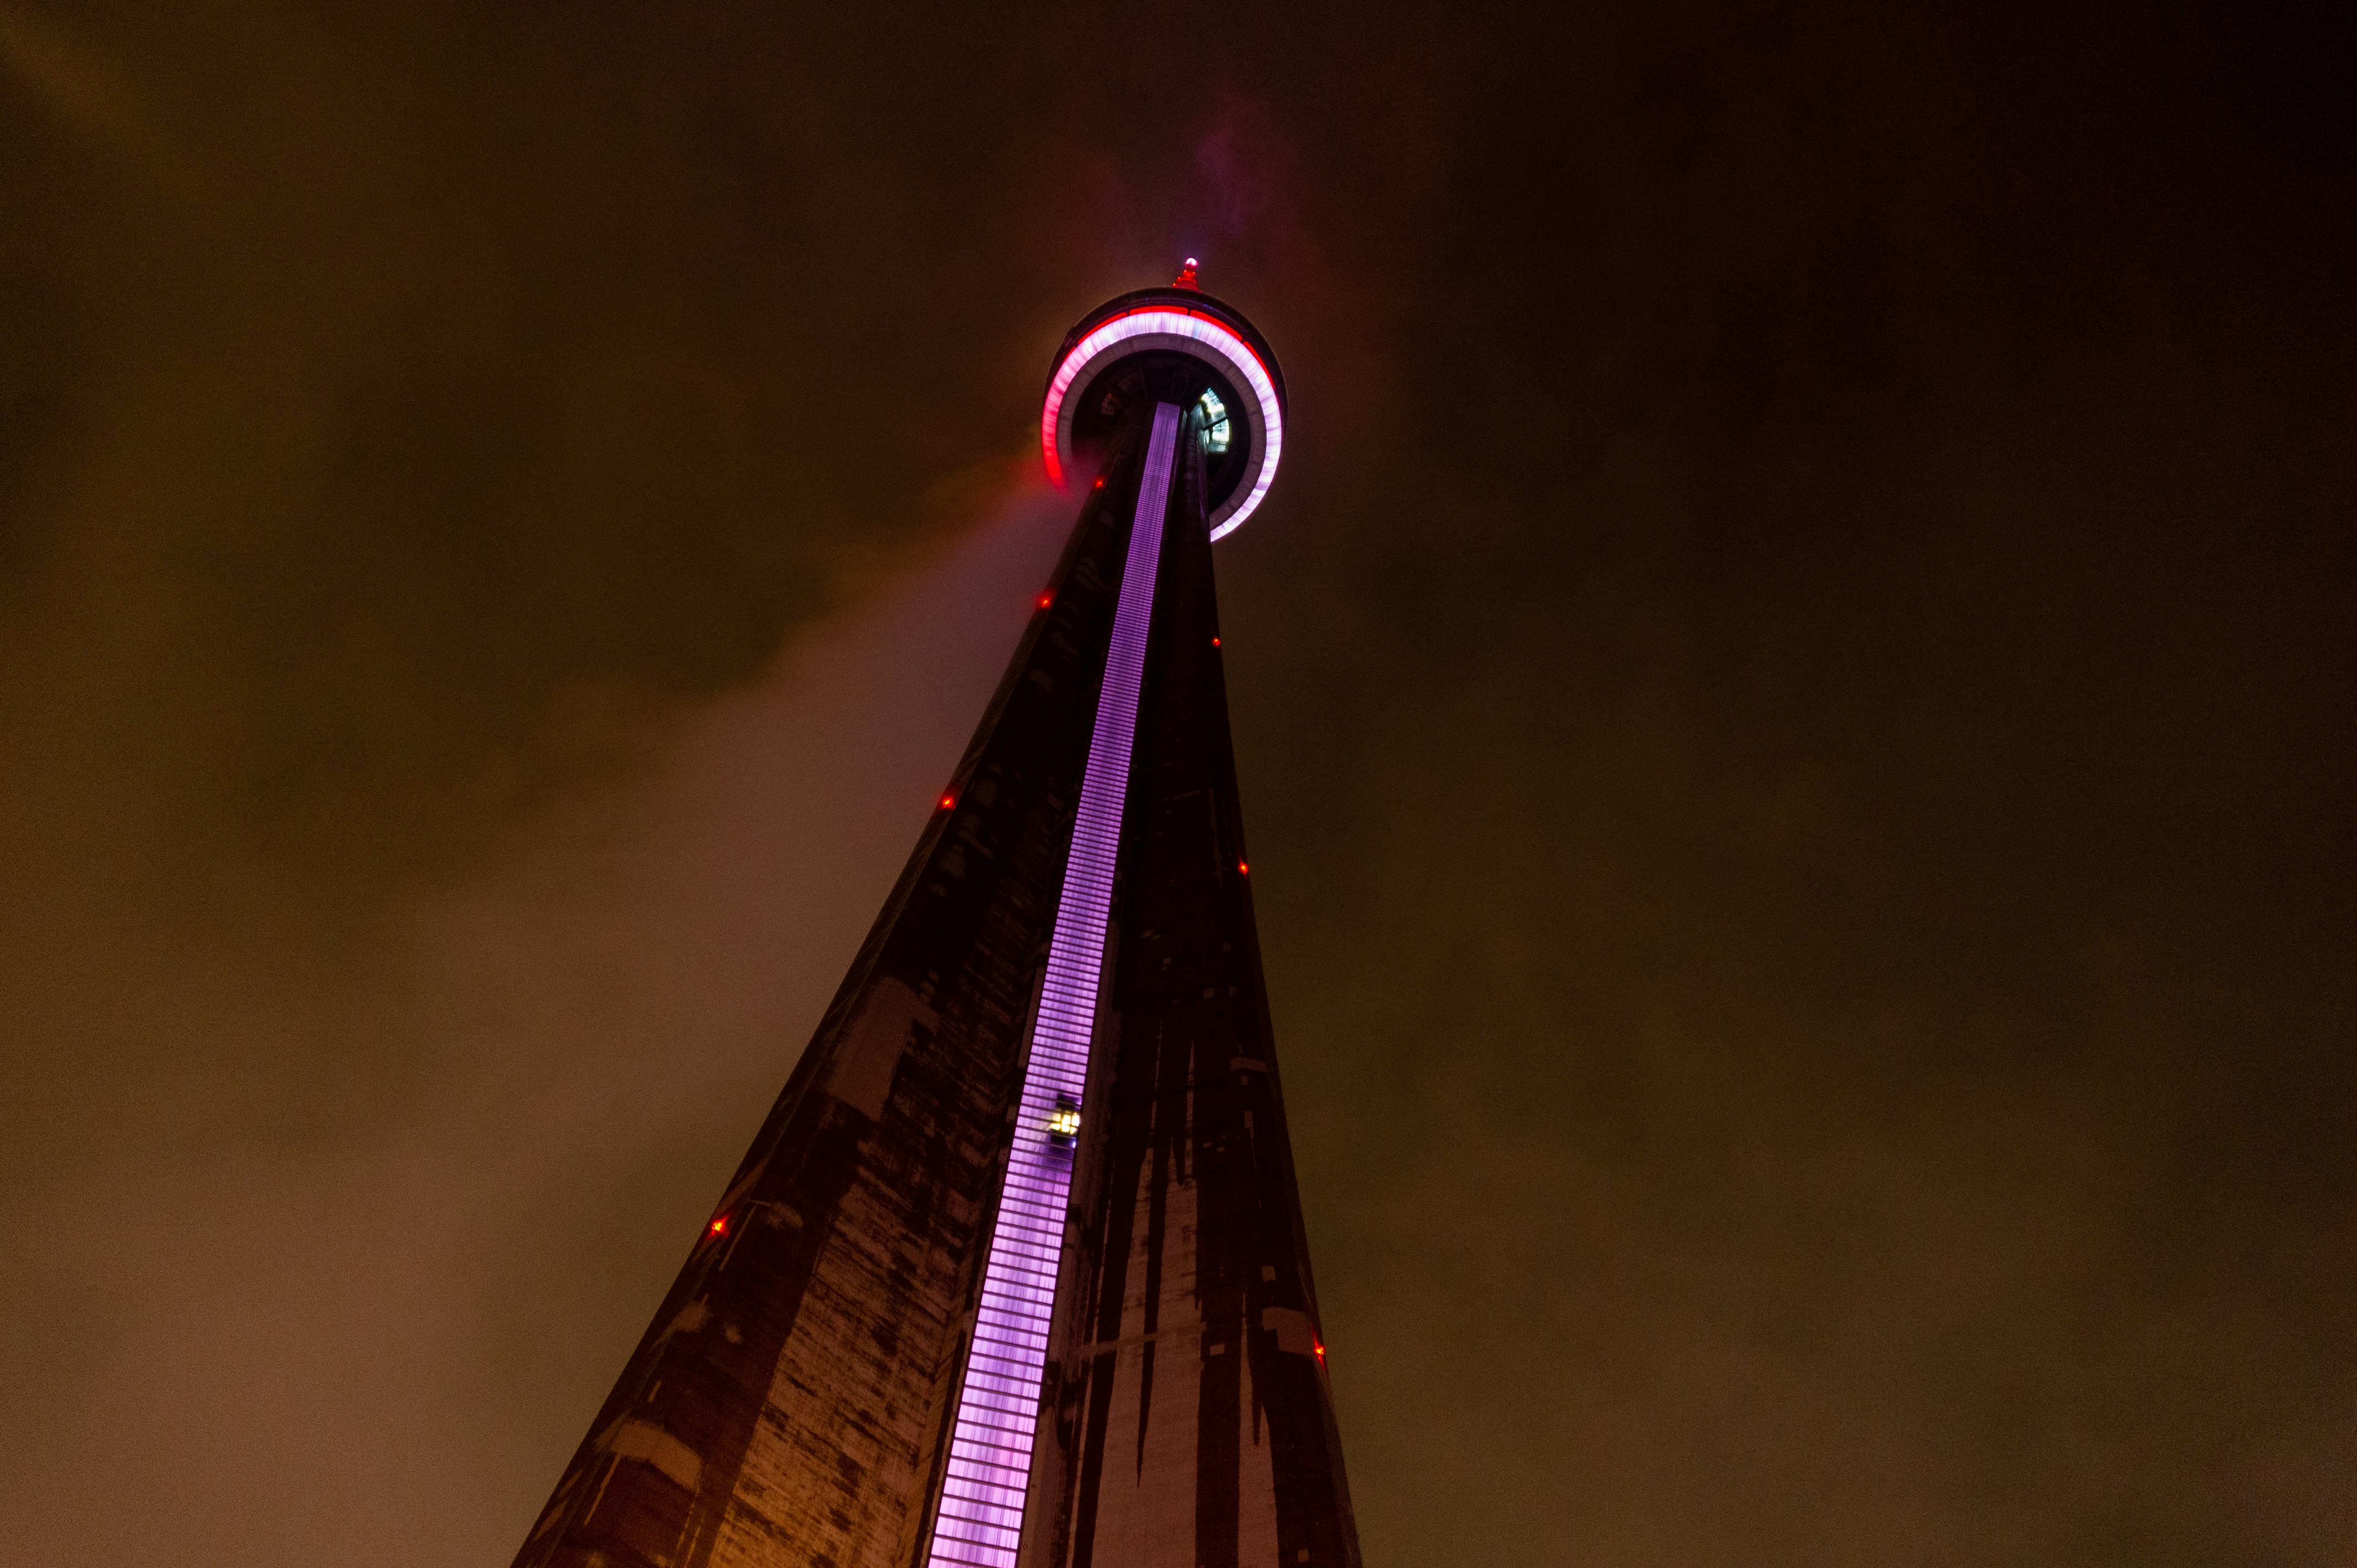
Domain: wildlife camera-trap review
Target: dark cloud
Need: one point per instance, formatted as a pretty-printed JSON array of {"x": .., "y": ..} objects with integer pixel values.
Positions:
[{"x": 1795, "y": 695}]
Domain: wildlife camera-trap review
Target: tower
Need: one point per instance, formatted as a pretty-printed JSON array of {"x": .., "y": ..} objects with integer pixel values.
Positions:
[{"x": 1013, "y": 1275}]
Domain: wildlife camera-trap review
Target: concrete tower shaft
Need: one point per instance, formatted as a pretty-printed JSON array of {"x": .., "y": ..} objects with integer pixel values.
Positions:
[
  {"x": 1190, "y": 1422},
  {"x": 1014, "y": 1275}
]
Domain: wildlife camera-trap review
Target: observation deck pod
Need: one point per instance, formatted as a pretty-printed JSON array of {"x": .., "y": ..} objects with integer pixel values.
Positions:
[{"x": 1171, "y": 345}]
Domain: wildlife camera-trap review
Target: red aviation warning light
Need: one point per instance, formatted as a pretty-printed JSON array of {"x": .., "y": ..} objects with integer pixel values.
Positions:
[{"x": 719, "y": 1226}]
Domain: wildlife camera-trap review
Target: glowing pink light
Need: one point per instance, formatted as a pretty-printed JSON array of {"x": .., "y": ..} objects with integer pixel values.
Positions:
[
  {"x": 986, "y": 1481},
  {"x": 1171, "y": 321}
]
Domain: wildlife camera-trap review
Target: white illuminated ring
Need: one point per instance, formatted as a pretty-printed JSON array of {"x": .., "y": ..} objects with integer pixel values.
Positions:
[{"x": 1188, "y": 332}]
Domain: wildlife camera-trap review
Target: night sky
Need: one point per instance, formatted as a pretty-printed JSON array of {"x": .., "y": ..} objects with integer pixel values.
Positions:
[{"x": 1793, "y": 695}]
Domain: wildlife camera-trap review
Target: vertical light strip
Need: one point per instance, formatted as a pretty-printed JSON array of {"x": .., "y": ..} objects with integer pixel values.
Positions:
[{"x": 980, "y": 1519}]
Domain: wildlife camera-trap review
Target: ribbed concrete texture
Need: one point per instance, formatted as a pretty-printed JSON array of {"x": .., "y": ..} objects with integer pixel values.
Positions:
[{"x": 1191, "y": 1423}]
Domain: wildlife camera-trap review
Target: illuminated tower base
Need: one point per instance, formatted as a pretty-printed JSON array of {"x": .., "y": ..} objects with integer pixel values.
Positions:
[{"x": 1014, "y": 1275}]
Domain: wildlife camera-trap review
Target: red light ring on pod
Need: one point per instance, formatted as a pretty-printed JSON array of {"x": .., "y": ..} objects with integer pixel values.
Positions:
[{"x": 1169, "y": 321}]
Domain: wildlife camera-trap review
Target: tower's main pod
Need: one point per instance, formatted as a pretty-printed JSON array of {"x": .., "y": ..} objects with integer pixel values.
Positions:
[{"x": 1014, "y": 1273}]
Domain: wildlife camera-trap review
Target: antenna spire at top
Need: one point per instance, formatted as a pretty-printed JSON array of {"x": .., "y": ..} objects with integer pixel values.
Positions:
[{"x": 1186, "y": 278}]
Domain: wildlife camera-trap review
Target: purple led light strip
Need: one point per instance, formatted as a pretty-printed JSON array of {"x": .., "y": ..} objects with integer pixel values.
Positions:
[{"x": 980, "y": 1520}]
